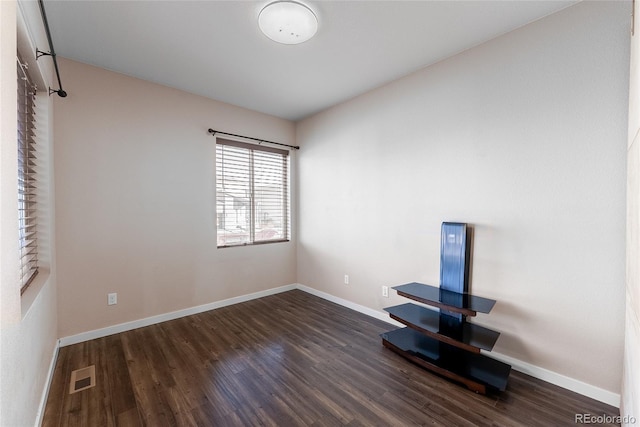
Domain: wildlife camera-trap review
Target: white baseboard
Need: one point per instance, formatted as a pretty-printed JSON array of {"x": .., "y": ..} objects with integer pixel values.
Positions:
[
  {"x": 560, "y": 380},
  {"x": 380, "y": 315},
  {"x": 147, "y": 321},
  {"x": 45, "y": 391}
]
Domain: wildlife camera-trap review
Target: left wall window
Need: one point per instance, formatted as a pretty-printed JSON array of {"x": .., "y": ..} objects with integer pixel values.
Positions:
[{"x": 27, "y": 213}]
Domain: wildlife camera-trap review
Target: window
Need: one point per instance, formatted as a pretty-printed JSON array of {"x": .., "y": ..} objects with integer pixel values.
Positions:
[
  {"x": 252, "y": 193},
  {"x": 27, "y": 214}
]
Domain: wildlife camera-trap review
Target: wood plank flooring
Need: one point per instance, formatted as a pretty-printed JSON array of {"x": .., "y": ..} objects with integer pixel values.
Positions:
[{"x": 290, "y": 359}]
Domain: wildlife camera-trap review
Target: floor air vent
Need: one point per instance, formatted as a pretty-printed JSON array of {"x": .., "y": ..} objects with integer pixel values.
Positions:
[{"x": 82, "y": 379}]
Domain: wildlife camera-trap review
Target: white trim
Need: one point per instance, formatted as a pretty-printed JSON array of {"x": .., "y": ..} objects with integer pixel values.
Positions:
[
  {"x": 134, "y": 324},
  {"x": 45, "y": 392},
  {"x": 543, "y": 374},
  {"x": 630, "y": 405},
  {"x": 560, "y": 380}
]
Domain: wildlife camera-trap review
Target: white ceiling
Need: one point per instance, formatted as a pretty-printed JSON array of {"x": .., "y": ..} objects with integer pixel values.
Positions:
[{"x": 215, "y": 49}]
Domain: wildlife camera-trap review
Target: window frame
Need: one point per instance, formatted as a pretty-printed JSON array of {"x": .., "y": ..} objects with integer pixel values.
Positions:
[
  {"x": 27, "y": 175},
  {"x": 253, "y": 200}
]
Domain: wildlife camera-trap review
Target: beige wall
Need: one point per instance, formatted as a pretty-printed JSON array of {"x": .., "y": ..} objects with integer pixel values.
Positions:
[
  {"x": 134, "y": 169},
  {"x": 522, "y": 137},
  {"x": 28, "y": 325},
  {"x": 631, "y": 381}
]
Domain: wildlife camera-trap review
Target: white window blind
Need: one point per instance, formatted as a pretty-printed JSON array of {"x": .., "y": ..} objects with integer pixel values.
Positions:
[
  {"x": 252, "y": 193},
  {"x": 27, "y": 214}
]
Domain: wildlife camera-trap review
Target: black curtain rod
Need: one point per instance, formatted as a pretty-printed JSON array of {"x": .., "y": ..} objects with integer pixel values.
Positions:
[
  {"x": 61, "y": 93},
  {"x": 213, "y": 132}
]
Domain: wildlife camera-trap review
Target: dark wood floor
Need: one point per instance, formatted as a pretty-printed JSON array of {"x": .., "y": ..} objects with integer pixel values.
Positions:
[{"x": 290, "y": 359}]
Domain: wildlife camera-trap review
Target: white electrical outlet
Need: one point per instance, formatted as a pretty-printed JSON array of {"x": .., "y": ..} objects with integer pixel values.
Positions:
[
  {"x": 112, "y": 299},
  {"x": 385, "y": 291},
  {"x": 346, "y": 279}
]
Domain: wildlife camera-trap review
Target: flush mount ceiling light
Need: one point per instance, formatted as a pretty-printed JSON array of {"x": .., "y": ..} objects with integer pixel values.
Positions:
[{"x": 288, "y": 22}]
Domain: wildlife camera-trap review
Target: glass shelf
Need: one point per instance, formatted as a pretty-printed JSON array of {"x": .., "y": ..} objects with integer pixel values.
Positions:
[
  {"x": 465, "y": 304},
  {"x": 462, "y": 334}
]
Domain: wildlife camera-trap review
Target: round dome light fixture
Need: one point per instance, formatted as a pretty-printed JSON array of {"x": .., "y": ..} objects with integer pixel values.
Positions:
[{"x": 288, "y": 22}]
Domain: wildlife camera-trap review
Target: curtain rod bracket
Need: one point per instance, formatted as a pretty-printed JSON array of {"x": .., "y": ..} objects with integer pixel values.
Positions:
[
  {"x": 260, "y": 141},
  {"x": 61, "y": 93},
  {"x": 40, "y": 53}
]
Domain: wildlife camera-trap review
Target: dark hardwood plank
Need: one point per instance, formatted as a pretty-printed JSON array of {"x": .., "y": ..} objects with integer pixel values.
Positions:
[{"x": 290, "y": 359}]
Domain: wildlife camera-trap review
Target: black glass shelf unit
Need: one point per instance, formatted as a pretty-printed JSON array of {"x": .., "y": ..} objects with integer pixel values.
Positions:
[
  {"x": 476, "y": 371},
  {"x": 443, "y": 341},
  {"x": 468, "y": 336},
  {"x": 466, "y": 304}
]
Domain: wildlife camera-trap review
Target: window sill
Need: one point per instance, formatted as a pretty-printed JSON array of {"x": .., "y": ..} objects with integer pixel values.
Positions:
[
  {"x": 241, "y": 245},
  {"x": 35, "y": 287}
]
